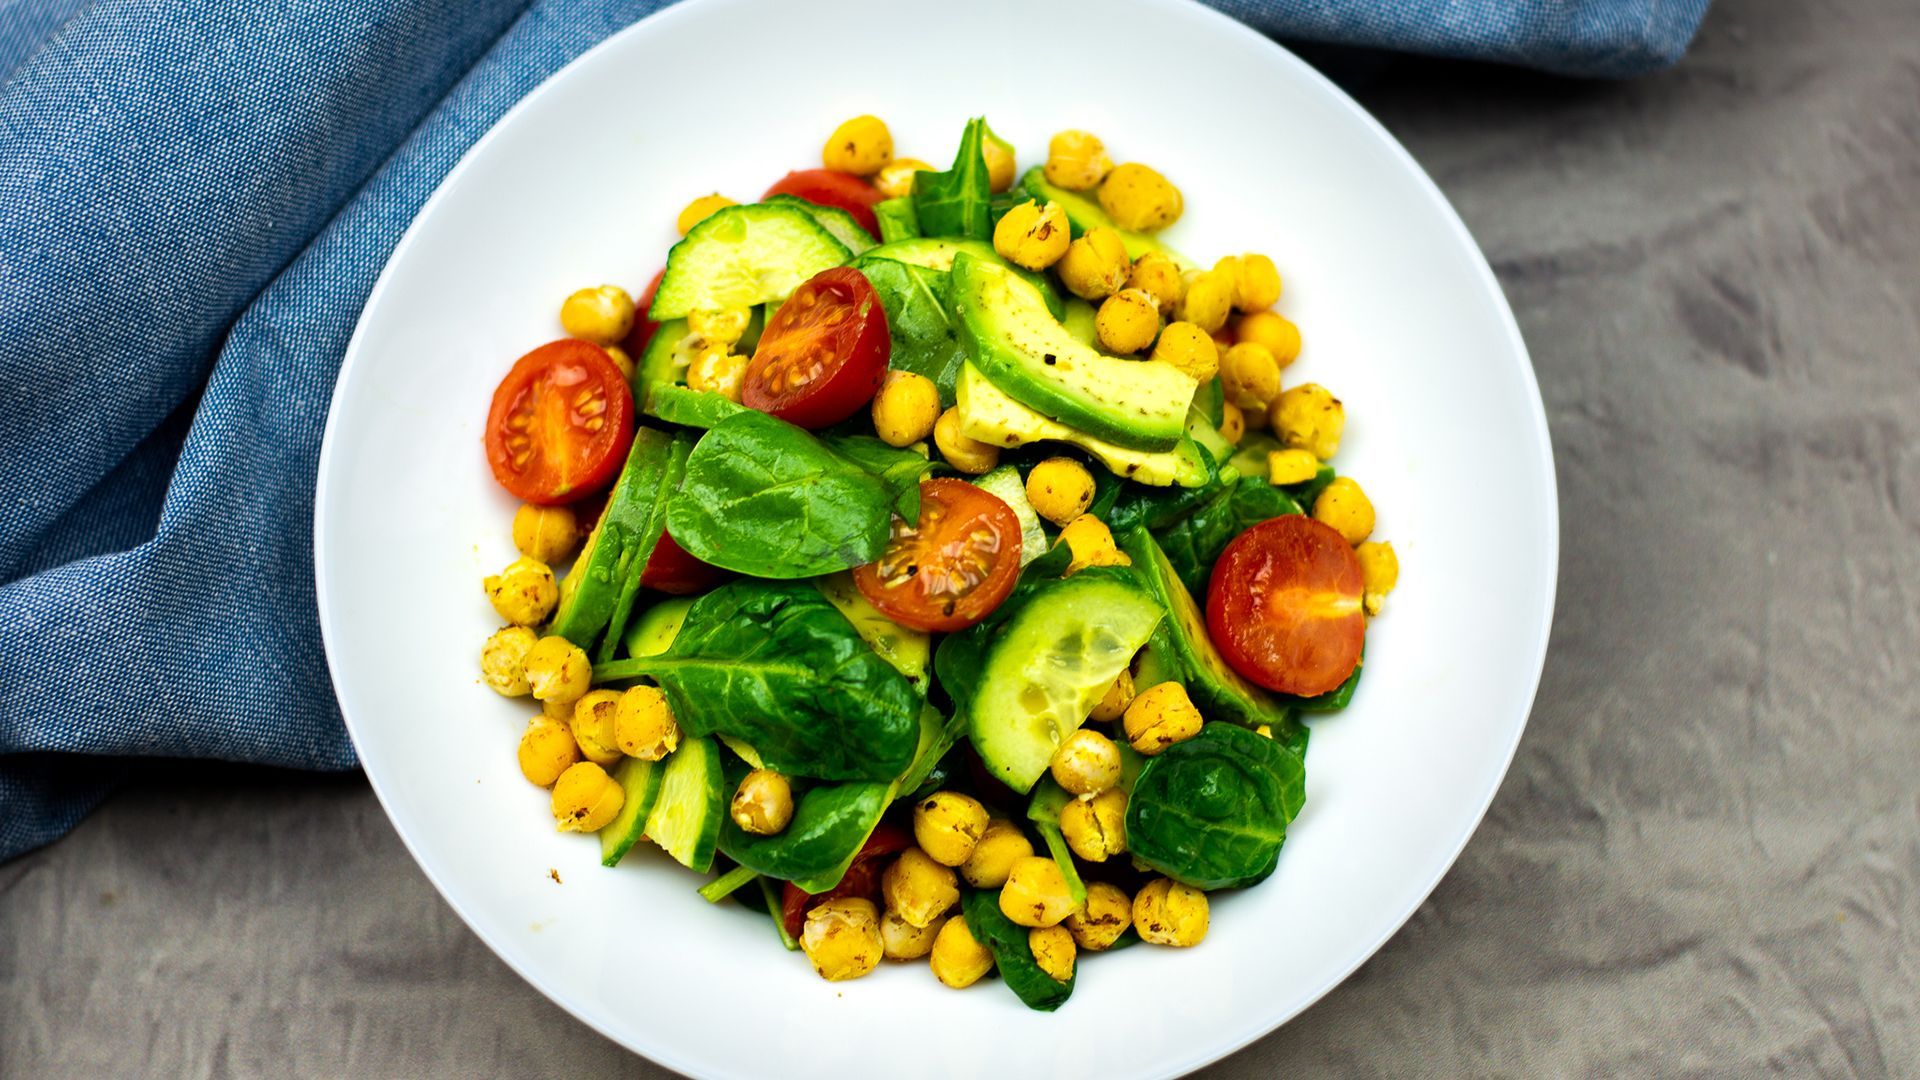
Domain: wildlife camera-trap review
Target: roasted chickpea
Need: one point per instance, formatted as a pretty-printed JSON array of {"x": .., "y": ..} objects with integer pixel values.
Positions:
[
  {"x": 1190, "y": 349},
  {"x": 1060, "y": 489},
  {"x": 1087, "y": 762},
  {"x": 1095, "y": 828},
  {"x": 1076, "y": 161},
  {"x": 1308, "y": 417},
  {"x": 503, "y": 660},
  {"x": 895, "y": 179},
  {"x": 919, "y": 889},
  {"x": 644, "y": 726},
  {"x": 725, "y": 326},
  {"x": 906, "y": 408},
  {"x": 602, "y": 314},
  {"x": 1273, "y": 330},
  {"x": 958, "y": 958},
  {"x": 1102, "y": 919},
  {"x": 1233, "y": 423},
  {"x": 967, "y": 455},
  {"x": 1345, "y": 506},
  {"x": 1113, "y": 704},
  {"x": 1092, "y": 544},
  {"x": 585, "y": 798},
  {"x": 1161, "y": 716},
  {"x": 1052, "y": 949},
  {"x": 1380, "y": 570},
  {"x": 1169, "y": 913},
  {"x": 620, "y": 360},
  {"x": 593, "y": 726},
  {"x": 1036, "y": 893},
  {"x": 1032, "y": 235},
  {"x": 700, "y": 210},
  {"x": 1096, "y": 265},
  {"x": 763, "y": 803},
  {"x": 1208, "y": 299},
  {"x": 1257, "y": 286},
  {"x": 947, "y": 825},
  {"x": 718, "y": 370},
  {"x": 860, "y": 146},
  {"x": 1157, "y": 275},
  {"x": 1000, "y": 163},
  {"x": 1291, "y": 467},
  {"x": 1128, "y": 321},
  {"x": 1139, "y": 199},
  {"x": 545, "y": 534},
  {"x": 1250, "y": 375},
  {"x": 993, "y": 857},
  {"x": 524, "y": 593},
  {"x": 547, "y": 749},
  {"x": 842, "y": 938},
  {"x": 901, "y": 940},
  {"x": 558, "y": 670}
]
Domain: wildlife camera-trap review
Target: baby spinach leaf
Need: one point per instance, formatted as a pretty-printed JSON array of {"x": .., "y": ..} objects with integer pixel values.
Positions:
[
  {"x": 762, "y": 497},
  {"x": 898, "y": 468},
  {"x": 925, "y": 340},
  {"x": 1212, "y": 811},
  {"x": 776, "y": 665},
  {"x": 1011, "y": 953},
  {"x": 1194, "y": 543},
  {"x": 958, "y": 202}
]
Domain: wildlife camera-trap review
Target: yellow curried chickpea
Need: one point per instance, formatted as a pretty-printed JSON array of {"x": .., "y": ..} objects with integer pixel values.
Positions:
[
  {"x": 585, "y": 798},
  {"x": 968, "y": 455},
  {"x": 1092, "y": 544},
  {"x": 1087, "y": 762},
  {"x": 1233, "y": 423},
  {"x": 524, "y": 593},
  {"x": 593, "y": 726},
  {"x": 958, "y": 958},
  {"x": 1190, "y": 349},
  {"x": 1096, "y": 828},
  {"x": 602, "y": 314},
  {"x": 1156, "y": 274},
  {"x": 906, "y": 408},
  {"x": 1000, "y": 163},
  {"x": 763, "y": 803},
  {"x": 558, "y": 670},
  {"x": 700, "y": 210},
  {"x": 503, "y": 660},
  {"x": 947, "y": 825},
  {"x": 1139, "y": 199},
  {"x": 1076, "y": 160},
  {"x": 1380, "y": 570},
  {"x": 644, "y": 726},
  {"x": 1096, "y": 265},
  {"x": 918, "y": 889},
  {"x": 1032, "y": 235},
  {"x": 1308, "y": 417},
  {"x": 842, "y": 938},
  {"x": 901, "y": 940},
  {"x": 1272, "y": 329},
  {"x": 1102, "y": 919},
  {"x": 1345, "y": 506},
  {"x": 717, "y": 369},
  {"x": 1060, "y": 489},
  {"x": 1250, "y": 375},
  {"x": 1052, "y": 949},
  {"x": 1161, "y": 716},
  {"x": 1290, "y": 467},
  {"x": 621, "y": 360},
  {"x": 725, "y": 326},
  {"x": 1257, "y": 286},
  {"x": 993, "y": 857},
  {"x": 860, "y": 146},
  {"x": 1127, "y": 321},
  {"x": 557, "y": 710},
  {"x": 895, "y": 179},
  {"x": 1169, "y": 913},
  {"x": 1119, "y": 695},
  {"x": 546, "y": 534},
  {"x": 1208, "y": 299},
  {"x": 1036, "y": 893},
  {"x": 546, "y": 750}
]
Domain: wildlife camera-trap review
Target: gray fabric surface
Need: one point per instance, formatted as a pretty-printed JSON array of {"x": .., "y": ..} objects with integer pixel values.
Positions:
[{"x": 1705, "y": 858}]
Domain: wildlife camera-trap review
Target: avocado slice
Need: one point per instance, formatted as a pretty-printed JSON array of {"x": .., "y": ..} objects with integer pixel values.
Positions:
[
  {"x": 1019, "y": 345},
  {"x": 991, "y": 416},
  {"x": 600, "y": 588},
  {"x": 907, "y": 649},
  {"x": 1083, "y": 213},
  {"x": 938, "y": 253}
]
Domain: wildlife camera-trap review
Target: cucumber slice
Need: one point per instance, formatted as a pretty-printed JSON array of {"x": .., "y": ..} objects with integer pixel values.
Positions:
[
  {"x": 685, "y": 820},
  {"x": 1006, "y": 484},
  {"x": 1050, "y": 665},
  {"x": 831, "y": 218},
  {"x": 657, "y": 626},
  {"x": 641, "y": 780},
  {"x": 742, "y": 256}
]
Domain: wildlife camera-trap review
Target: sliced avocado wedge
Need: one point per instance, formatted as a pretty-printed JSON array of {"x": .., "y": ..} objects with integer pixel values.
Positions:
[
  {"x": 1084, "y": 213},
  {"x": 599, "y": 591},
  {"x": 990, "y": 415},
  {"x": 1013, "y": 340}
]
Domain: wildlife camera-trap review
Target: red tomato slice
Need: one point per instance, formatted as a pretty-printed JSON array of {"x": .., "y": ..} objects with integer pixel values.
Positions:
[
  {"x": 671, "y": 570},
  {"x": 823, "y": 353},
  {"x": 1284, "y": 606},
  {"x": 951, "y": 568},
  {"x": 825, "y": 187},
  {"x": 643, "y": 327},
  {"x": 560, "y": 424},
  {"x": 862, "y": 878}
]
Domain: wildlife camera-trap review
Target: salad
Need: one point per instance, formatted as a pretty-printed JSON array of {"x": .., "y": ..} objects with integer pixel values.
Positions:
[{"x": 948, "y": 574}]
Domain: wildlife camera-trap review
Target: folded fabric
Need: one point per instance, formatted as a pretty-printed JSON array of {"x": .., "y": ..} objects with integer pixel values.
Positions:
[{"x": 194, "y": 204}]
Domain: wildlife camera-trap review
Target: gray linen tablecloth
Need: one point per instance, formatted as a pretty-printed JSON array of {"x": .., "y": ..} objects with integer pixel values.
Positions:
[{"x": 1705, "y": 858}]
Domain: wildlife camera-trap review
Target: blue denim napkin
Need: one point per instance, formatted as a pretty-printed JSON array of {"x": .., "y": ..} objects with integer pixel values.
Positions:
[{"x": 194, "y": 203}]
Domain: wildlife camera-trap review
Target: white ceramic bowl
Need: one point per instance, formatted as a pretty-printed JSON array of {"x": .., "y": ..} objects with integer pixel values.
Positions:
[{"x": 580, "y": 184}]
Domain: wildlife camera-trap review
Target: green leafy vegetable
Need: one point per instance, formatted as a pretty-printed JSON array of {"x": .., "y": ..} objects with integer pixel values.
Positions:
[
  {"x": 762, "y": 497},
  {"x": 958, "y": 202},
  {"x": 1049, "y": 798},
  {"x": 925, "y": 341},
  {"x": 1194, "y": 543},
  {"x": 1213, "y": 811},
  {"x": 900, "y": 469},
  {"x": 1011, "y": 953},
  {"x": 726, "y": 884},
  {"x": 897, "y": 218},
  {"x": 1335, "y": 699}
]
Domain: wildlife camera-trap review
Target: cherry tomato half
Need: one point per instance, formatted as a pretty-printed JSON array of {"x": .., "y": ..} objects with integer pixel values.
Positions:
[
  {"x": 643, "y": 327},
  {"x": 824, "y": 187},
  {"x": 950, "y": 569},
  {"x": 1284, "y": 606},
  {"x": 862, "y": 877},
  {"x": 560, "y": 424},
  {"x": 671, "y": 570},
  {"x": 823, "y": 354}
]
